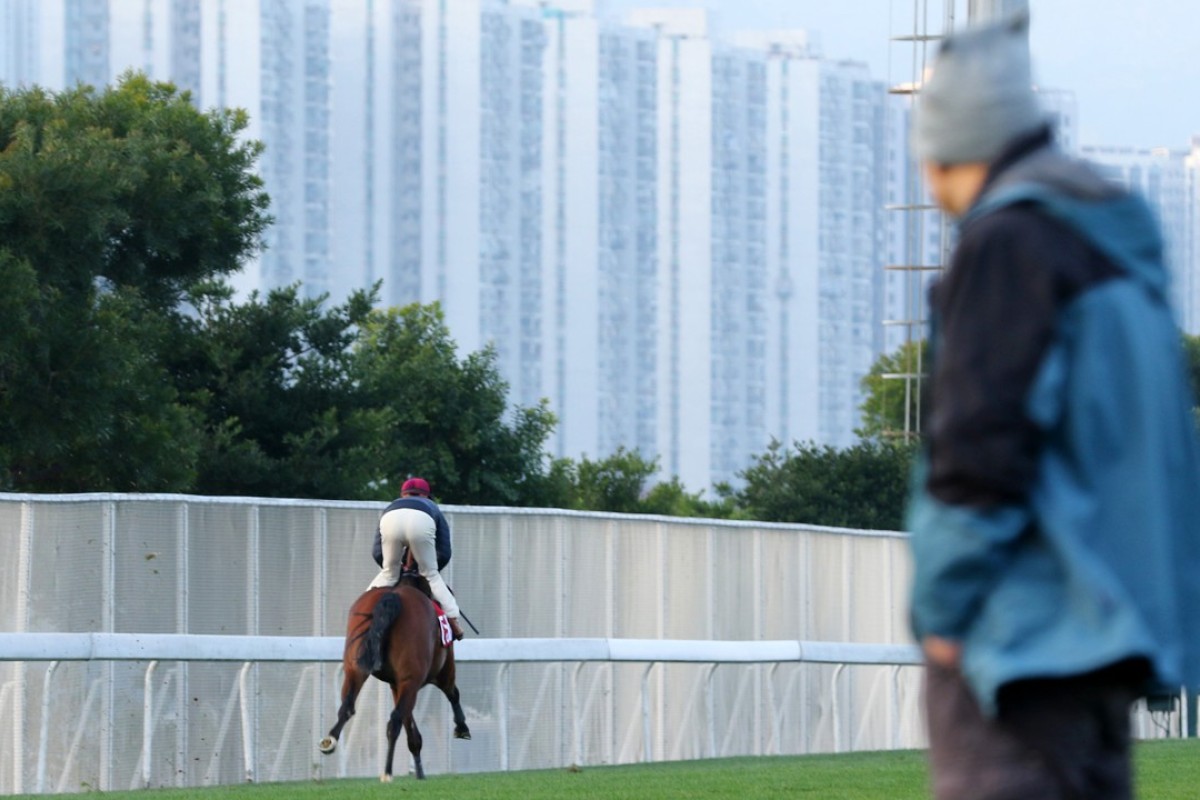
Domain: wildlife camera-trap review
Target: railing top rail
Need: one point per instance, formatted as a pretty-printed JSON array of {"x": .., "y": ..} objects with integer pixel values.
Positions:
[
  {"x": 113, "y": 497},
  {"x": 201, "y": 647}
]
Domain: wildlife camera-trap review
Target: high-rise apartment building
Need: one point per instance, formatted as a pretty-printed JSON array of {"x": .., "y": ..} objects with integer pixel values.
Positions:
[
  {"x": 24, "y": 34},
  {"x": 471, "y": 149},
  {"x": 598, "y": 185},
  {"x": 377, "y": 158},
  {"x": 627, "y": 241},
  {"x": 827, "y": 181},
  {"x": 712, "y": 218},
  {"x": 678, "y": 242}
]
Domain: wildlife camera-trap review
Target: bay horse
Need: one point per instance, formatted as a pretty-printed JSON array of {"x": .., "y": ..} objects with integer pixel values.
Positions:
[{"x": 394, "y": 634}]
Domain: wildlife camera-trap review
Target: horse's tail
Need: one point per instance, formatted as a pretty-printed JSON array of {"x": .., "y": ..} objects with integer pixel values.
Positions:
[{"x": 370, "y": 658}]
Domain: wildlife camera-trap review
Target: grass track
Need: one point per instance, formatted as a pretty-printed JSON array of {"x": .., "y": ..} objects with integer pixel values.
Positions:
[{"x": 1166, "y": 770}]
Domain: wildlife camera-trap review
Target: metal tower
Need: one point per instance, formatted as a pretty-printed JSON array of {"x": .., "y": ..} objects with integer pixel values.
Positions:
[{"x": 926, "y": 232}]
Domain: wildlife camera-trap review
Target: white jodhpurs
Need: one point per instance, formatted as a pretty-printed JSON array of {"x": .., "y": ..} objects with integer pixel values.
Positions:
[{"x": 409, "y": 527}]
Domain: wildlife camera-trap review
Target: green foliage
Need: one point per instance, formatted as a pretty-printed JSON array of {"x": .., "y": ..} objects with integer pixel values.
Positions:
[
  {"x": 622, "y": 483},
  {"x": 130, "y": 183},
  {"x": 864, "y": 486},
  {"x": 1191, "y": 357},
  {"x": 272, "y": 377},
  {"x": 111, "y": 203},
  {"x": 892, "y": 406},
  {"x": 446, "y": 419},
  {"x": 670, "y": 498},
  {"x": 615, "y": 483}
]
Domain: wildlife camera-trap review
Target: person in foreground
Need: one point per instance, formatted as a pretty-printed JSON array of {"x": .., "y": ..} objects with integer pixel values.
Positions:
[
  {"x": 1056, "y": 502},
  {"x": 413, "y": 525}
]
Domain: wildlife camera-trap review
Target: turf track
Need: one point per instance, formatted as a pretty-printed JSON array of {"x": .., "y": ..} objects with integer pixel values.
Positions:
[{"x": 1167, "y": 770}]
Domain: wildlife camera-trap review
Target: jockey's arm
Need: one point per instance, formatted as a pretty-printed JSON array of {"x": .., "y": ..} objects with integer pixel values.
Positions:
[
  {"x": 377, "y": 551},
  {"x": 443, "y": 540}
]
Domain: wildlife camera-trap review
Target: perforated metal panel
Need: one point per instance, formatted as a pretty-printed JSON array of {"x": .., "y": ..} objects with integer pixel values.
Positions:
[{"x": 165, "y": 564}]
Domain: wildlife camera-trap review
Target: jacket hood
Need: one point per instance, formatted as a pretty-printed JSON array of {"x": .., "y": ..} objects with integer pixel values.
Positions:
[{"x": 1117, "y": 223}]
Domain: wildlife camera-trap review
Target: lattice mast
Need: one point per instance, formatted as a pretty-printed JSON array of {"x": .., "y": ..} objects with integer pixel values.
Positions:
[{"x": 927, "y": 234}]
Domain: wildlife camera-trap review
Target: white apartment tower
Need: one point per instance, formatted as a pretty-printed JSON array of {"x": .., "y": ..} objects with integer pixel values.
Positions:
[
  {"x": 598, "y": 187},
  {"x": 827, "y": 185},
  {"x": 711, "y": 210},
  {"x": 627, "y": 241},
  {"x": 443, "y": 195}
]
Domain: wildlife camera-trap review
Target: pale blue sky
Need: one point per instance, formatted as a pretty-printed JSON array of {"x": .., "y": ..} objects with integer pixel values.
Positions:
[{"x": 1134, "y": 66}]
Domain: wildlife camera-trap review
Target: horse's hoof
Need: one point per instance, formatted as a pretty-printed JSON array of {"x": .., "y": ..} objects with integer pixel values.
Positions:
[
  {"x": 463, "y": 734},
  {"x": 327, "y": 745},
  {"x": 385, "y": 778}
]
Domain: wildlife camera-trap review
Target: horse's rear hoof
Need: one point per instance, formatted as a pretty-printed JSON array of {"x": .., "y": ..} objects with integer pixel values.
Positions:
[
  {"x": 463, "y": 734},
  {"x": 385, "y": 778},
  {"x": 327, "y": 745}
]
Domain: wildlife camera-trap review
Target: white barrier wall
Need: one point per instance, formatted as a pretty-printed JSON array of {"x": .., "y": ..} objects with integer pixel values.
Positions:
[{"x": 177, "y": 564}]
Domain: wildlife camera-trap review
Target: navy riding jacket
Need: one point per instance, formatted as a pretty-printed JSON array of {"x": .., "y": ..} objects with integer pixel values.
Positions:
[{"x": 442, "y": 527}]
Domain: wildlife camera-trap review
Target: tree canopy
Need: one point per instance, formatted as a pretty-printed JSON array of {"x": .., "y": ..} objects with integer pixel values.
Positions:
[{"x": 112, "y": 203}]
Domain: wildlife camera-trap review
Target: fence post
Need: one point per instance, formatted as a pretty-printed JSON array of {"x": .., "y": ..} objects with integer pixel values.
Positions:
[
  {"x": 147, "y": 723},
  {"x": 647, "y": 748},
  {"x": 247, "y": 723},
  {"x": 44, "y": 734}
]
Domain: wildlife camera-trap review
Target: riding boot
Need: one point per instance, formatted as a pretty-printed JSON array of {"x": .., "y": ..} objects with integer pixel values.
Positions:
[{"x": 455, "y": 628}]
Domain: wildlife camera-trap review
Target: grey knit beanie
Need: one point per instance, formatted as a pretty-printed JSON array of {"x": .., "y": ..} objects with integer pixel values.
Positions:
[{"x": 979, "y": 96}]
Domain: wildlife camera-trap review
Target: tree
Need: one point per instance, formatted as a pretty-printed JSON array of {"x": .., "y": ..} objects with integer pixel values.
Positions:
[
  {"x": 272, "y": 379},
  {"x": 1191, "y": 356},
  {"x": 112, "y": 203},
  {"x": 863, "y": 486},
  {"x": 615, "y": 483},
  {"x": 445, "y": 419},
  {"x": 670, "y": 498},
  {"x": 892, "y": 404}
]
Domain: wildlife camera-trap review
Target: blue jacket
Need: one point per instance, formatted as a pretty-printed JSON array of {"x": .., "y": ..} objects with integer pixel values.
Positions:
[
  {"x": 1091, "y": 555},
  {"x": 442, "y": 528}
]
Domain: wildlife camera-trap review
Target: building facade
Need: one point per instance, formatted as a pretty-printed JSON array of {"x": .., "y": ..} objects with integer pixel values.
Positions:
[
  {"x": 828, "y": 182},
  {"x": 676, "y": 241}
]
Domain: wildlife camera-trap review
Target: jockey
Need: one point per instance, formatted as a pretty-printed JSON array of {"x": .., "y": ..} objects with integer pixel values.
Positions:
[{"x": 415, "y": 523}]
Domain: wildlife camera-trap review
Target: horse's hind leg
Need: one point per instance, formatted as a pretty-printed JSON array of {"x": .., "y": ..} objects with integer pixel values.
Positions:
[
  {"x": 445, "y": 682},
  {"x": 461, "y": 731},
  {"x": 414, "y": 744},
  {"x": 351, "y": 685},
  {"x": 405, "y": 695}
]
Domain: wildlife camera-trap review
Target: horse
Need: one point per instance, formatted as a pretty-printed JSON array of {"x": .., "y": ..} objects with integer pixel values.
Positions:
[{"x": 394, "y": 634}]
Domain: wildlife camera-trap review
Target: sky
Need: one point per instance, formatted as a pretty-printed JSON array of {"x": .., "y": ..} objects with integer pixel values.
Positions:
[{"x": 1134, "y": 66}]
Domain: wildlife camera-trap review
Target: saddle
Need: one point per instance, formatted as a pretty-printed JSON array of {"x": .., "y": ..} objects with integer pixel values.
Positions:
[{"x": 410, "y": 576}]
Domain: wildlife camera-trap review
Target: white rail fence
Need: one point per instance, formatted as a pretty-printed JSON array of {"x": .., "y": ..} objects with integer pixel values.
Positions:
[
  {"x": 151, "y": 649},
  {"x": 171, "y": 640}
]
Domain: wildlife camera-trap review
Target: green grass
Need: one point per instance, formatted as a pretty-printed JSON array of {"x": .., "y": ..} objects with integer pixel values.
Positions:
[{"x": 1166, "y": 770}]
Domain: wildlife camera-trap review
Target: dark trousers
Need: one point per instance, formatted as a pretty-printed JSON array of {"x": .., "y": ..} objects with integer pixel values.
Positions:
[{"x": 1057, "y": 739}]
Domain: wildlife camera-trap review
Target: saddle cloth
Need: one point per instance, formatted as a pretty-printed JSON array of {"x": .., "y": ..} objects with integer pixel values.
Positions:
[{"x": 443, "y": 626}]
